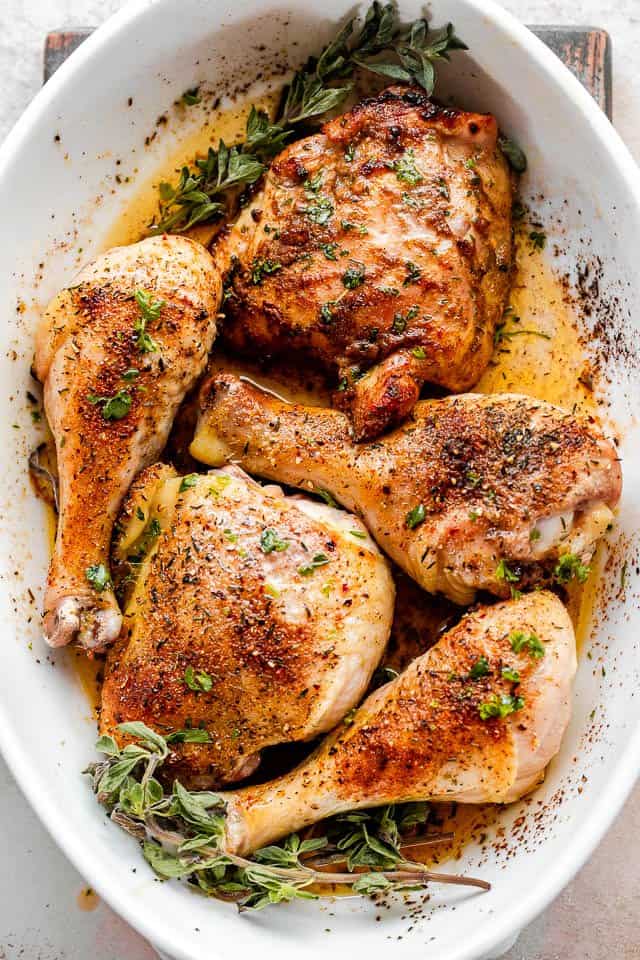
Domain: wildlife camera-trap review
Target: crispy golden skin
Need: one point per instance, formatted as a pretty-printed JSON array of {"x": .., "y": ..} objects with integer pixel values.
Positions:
[
  {"x": 465, "y": 486},
  {"x": 87, "y": 347},
  {"x": 380, "y": 246},
  {"x": 286, "y": 631},
  {"x": 423, "y": 736}
]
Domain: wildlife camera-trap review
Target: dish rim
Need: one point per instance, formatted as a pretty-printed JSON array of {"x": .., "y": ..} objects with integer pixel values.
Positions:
[{"x": 502, "y": 928}]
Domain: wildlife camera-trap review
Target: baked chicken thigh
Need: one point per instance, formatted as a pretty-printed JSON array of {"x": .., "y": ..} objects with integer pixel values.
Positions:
[
  {"x": 473, "y": 492},
  {"x": 476, "y": 719},
  {"x": 116, "y": 353},
  {"x": 253, "y": 619},
  {"x": 381, "y": 248}
]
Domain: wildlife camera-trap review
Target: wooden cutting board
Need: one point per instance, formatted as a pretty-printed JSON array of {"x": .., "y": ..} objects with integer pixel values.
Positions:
[{"x": 585, "y": 50}]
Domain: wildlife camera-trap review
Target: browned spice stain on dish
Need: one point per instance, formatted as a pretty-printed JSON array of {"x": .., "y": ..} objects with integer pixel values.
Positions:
[{"x": 87, "y": 900}]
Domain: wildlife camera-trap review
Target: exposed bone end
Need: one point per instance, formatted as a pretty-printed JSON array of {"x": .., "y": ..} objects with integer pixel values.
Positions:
[{"x": 82, "y": 620}]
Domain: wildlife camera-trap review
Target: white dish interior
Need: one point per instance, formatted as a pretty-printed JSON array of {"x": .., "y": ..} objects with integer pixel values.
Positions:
[{"x": 152, "y": 52}]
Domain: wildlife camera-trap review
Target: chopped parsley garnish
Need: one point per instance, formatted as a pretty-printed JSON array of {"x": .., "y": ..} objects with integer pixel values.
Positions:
[
  {"x": 330, "y": 250},
  {"x": 319, "y": 560},
  {"x": 503, "y": 572},
  {"x": 400, "y": 322},
  {"x": 353, "y": 277},
  {"x": 313, "y": 184},
  {"x": 198, "y": 680},
  {"x": 418, "y": 353},
  {"x": 140, "y": 513},
  {"x": 413, "y": 273},
  {"x": 150, "y": 311},
  {"x": 270, "y": 542},
  {"x": 500, "y": 706},
  {"x": 115, "y": 407},
  {"x": 189, "y": 481},
  {"x": 326, "y": 312},
  {"x": 415, "y": 517},
  {"x": 534, "y": 535},
  {"x": 473, "y": 515},
  {"x": 406, "y": 169},
  {"x": 98, "y": 576},
  {"x": 360, "y": 534},
  {"x": 511, "y": 674},
  {"x": 263, "y": 268},
  {"x": 479, "y": 669},
  {"x": 320, "y": 210},
  {"x": 350, "y": 152},
  {"x": 568, "y": 567},
  {"x": 130, "y": 374},
  {"x": 528, "y": 642},
  {"x": 230, "y": 536}
]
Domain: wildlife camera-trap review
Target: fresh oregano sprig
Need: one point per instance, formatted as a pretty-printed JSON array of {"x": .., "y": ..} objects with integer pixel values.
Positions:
[
  {"x": 212, "y": 187},
  {"x": 182, "y": 834}
]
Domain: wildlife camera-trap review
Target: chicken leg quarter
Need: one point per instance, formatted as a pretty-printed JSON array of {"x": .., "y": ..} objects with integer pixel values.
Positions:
[
  {"x": 380, "y": 248},
  {"x": 116, "y": 353},
  {"x": 473, "y": 492},
  {"x": 475, "y": 720},
  {"x": 254, "y": 617}
]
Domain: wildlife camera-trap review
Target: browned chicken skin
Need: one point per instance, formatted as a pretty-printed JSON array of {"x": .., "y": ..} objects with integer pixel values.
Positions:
[
  {"x": 433, "y": 733},
  {"x": 112, "y": 384},
  {"x": 472, "y": 492},
  {"x": 381, "y": 248},
  {"x": 256, "y": 617}
]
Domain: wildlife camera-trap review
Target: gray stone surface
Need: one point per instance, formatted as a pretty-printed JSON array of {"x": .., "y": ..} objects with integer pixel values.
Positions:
[{"x": 597, "y": 917}]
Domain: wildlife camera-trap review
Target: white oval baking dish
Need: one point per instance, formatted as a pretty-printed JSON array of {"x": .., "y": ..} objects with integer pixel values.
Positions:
[{"x": 57, "y": 172}]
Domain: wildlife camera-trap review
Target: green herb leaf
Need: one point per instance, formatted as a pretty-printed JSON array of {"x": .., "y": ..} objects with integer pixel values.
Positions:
[
  {"x": 319, "y": 560},
  {"x": 198, "y": 680},
  {"x": 270, "y": 542},
  {"x": 500, "y": 706},
  {"x": 537, "y": 239},
  {"x": 149, "y": 737},
  {"x": 263, "y": 268},
  {"x": 320, "y": 210},
  {"x": 510, "y": 673},
  {"x": 568, "y": 567},
  {"x": 353, "y": 277},
  {"x": 514, "y": 154},
  {"x": 520, "y": 641},
  {"x": 190, "y": 480},
  {"x": 190, "y": 735},
  {"x": 503, "y": 572},
  {"x": 150, "y": 311},
  {"x": 115, "y": 407},
  {"x": 479, "y": 669},
  {"x": 413, "y": 273},
  {"x": 327, "y": 497},
  {"x": 415, "y": 516},
  {"x": 406, "y": 169},
  {"x": 107, "y": 745},
  {"x": 98, "y": 576},
  {"x": 191, "y": 97}
]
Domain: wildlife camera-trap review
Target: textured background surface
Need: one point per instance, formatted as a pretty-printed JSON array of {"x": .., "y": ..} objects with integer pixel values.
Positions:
[{"x": 597, "y": 917}]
